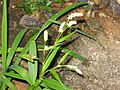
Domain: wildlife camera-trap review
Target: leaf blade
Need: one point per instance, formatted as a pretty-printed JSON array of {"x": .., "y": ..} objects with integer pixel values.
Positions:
[
  {"x": 50, "y": 58},
  {"x": 21, "y": 71},
  {"x": 33, "y": 67},
  {"x": 4, "y": 34},
  {"x": 74, "y": 54},
  {"x": 53, "y": 84},
  {"x": 8, "y": 82},
  {"x": 66, "y": 37},
  {"x": 14, "y": 46}
]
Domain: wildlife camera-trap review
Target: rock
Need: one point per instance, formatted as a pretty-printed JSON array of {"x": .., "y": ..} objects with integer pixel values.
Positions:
[
  {"x": 102, "y": 70},
  {"x": 113, "y": 5},
  {"x": 29, "y": 22}
]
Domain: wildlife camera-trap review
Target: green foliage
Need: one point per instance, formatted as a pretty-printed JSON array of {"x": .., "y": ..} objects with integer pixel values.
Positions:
[
  {"x": 36, "y": 78},
  {"x": 30, "y": 6}
]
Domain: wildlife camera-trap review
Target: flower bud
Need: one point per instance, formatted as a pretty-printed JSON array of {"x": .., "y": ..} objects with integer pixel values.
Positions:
[
  {"x": 70, "y": 23},
  {"x": 45, "y": 35},
  {"x": 61, "y": 27}
]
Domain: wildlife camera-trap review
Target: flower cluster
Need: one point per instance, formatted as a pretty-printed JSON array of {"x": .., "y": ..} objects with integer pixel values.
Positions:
[
  {"x": 45, "y": 35},
  {"x": 74, "y": 68},
  {"x": 72, "y": 15},
  {"x": 61, "y": 27},
  {"x": 70, "y": 22}
]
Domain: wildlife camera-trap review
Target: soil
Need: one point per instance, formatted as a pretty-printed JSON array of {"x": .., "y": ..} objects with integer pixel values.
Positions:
[{"x": 101, "y": 71}]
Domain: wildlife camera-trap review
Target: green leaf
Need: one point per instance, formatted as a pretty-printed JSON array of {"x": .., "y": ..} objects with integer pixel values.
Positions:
[
  {"x": 64, "y": 57},
  {"x": 28, "y": 57},
  {"x": 56, "y": 76},
  {"x": 38, "y": 88},
  {"x": 1, "y": 83},
  {"x": 8, "y": 83},
  {"x": 46, "y": 89},
  {"x": 56, "y": 22},
  {"x": 21, "y": 71},
  {"x": 3, "y": 86},
  {"x": 85, "y": 34},
  {"x": 33, "y": 67},
  {"x": 35, "y": 86},
  {"x": 14, "y": 46},
  {"x": 13, "y": 75},
  {"x": 4, "y": 34},
  {"x": 50, "y": 58},
  {"x": 74, "y": 54},
  {"x": 53, "y": 84},
  {"x": 66, "y": 37}
]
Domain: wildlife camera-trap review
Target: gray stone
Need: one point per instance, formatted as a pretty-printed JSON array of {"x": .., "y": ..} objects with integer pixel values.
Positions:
[{"x": 102, "y": 69}]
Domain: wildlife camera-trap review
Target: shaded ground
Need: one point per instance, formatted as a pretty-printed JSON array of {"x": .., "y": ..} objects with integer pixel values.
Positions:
[{"x": 102, "y": 70}]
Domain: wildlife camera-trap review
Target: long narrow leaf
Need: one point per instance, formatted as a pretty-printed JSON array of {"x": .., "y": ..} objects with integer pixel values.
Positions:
[
  {"x": 32, "y": 67},
  {"x": 4, "y": 34},
  {"x": 8, "y": 83},
  {"x": 56, "y": 76},
  {"x": 55, "y": 85},
  {"x": 29, "y": 57},
  {"x": 75, "y": 55},
  {"x": 66, "y": 37},
  {"x": 19, "y": 49},
  {"x": 3, "y": 87},
  {"x": 64, "y": 57},
  {"x": 25, "y": 50},
  {"x": 14, "y": 46},
  {"x": 50, "y": 58},
  {"x": 85, "y": 34},
  {"x": 13, "y": 75},
  {"x": 21, "y": 71}
]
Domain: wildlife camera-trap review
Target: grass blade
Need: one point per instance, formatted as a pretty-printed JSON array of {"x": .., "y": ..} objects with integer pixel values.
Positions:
[
  {"x": 85, "y": 34},
  {"x": 33, "y": 67},
  {"x": 66, "y": 37},
  {"x": 50, "y": 58},
  {"x": 74, "y": 54},
  {"x": 64, "y": 57},
  {"x": 14, "y": 46},
  {"x": 13, "y": 75},
  {"x": 24, "y": 50},
  {"x": 4, "y": 35},
  {"x": 53, "y": 84},
  {"x": 56, "y": 76},
  {"x": 21, "y": 71},
  {"x": 8, "y": 83},
  {"x": 28, "y": 57}
]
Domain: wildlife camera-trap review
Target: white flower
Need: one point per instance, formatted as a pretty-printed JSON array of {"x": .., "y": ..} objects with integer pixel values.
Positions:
[
  {"x": 61, "y": 27},
  {"x": 70, "y": 23},
  {"x": 74, "y": 15},
  {"x": 46, "y": 47},
  {"x": 78, "y": 71},
  {"x": 74, "y": 68},
  {"x": 70, "y": 17},
  {"x": 45, "y": 35},
  {"x": 77, "y": 14}
]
